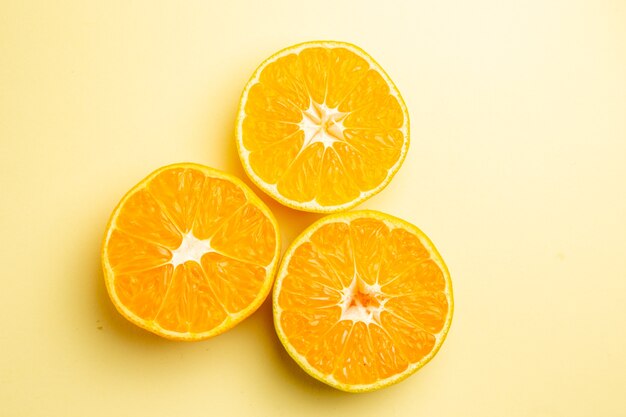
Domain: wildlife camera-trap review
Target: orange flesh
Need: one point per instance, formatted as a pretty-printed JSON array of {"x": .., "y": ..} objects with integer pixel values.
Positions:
[
  {"x": 194, "y": 296},
  {"x": 361, "y": 301},
  {"x": 322, "y": 125}
]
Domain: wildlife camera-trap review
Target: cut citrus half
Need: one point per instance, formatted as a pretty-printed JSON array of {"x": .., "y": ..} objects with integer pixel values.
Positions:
[
  {"x": 362, "y": 300},
  {"x": 189, "y": 252},
  {"x": 321, "y": 127}
]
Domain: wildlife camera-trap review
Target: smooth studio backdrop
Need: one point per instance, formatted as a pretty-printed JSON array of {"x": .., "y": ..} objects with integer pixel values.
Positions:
[{"x": 517, "y": 171}]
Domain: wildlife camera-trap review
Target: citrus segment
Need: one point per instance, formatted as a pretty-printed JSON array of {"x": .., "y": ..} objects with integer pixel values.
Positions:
[
  {"x": 153, "y": 223},
  {"x": 145, "y": 254},
  {"x": 144, "y": 289},
  {"x": 347, "y": 69},
  {"x": 321, "y": 127},
  {"x": 372, "y": 88},
  {"x": 189, "y": 252},
  {"x": 177, "y": 190},
  {"x": 299, "y": 179},
  {"x": 261, "y": 134},
  {"x": 217, "y": 201},
  {"x": 273, "y": 161},
  {"x": 335, "y": 185},
  {"x": 248, "y": 236},
  {"x": 237, "y": 282},
  {"x": 362, "y": 300},
  {"x": 313, "y": 62},
  {"x": 190, "y": 305}
]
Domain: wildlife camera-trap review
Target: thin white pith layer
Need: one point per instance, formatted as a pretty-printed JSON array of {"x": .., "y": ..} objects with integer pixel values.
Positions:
[
  {"x": 191, "y": 249},
  {"x": 321, "y": 124},
  {"x": 352, "y": 309}
]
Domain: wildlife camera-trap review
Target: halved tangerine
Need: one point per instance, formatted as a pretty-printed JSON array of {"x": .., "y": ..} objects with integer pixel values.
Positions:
[
  {"x": 189, "y": 252},
  {"x": 362, "y": 300},
  {"x": 321, "y": 127}
]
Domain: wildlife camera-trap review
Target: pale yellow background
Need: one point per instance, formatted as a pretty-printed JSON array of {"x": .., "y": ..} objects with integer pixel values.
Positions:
[{"x": 517, "y": 171}]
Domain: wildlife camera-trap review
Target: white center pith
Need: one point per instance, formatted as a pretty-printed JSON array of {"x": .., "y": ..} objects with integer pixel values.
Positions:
[
  {"x": 322, "y": 124},
  {"x": 190, "y": 249},
  {"x": 362, "y": 302}
]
